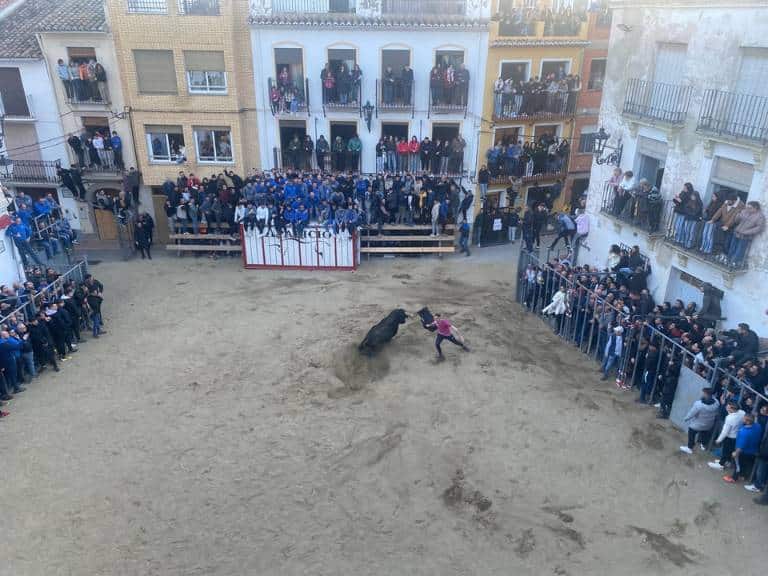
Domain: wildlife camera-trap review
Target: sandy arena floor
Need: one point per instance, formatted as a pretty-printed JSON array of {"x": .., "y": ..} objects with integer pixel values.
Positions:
[{"x": 226, "y": 426}]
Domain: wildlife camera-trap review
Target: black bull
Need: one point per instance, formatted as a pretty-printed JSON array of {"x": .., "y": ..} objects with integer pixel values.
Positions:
[{"x": 383, "y": 332}]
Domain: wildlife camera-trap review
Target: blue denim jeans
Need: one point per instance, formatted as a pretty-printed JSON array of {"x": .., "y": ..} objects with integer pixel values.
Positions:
[
  {"x": 707, "y": 237},
  {"x": 96, "y": 318},
  {"x": 609, "y": 362},
  {"x": 761, "y": 474},
  {"x": 28, "y": 361},
  {"x": 679, "y": 228},
  {"x": 689, "y": 232},
  {"x": 738, "y": 249}
]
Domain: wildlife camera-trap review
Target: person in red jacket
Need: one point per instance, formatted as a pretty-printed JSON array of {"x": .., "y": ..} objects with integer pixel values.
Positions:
[
  {"x": 402, "y": 155},
  {"x": 413, "y": 150}
]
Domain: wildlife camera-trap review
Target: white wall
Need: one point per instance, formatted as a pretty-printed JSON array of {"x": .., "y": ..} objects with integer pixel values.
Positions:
[
  {"x": 709, "y": 33},
  {"x": 369, "y": 43},
  {"x": 11, "y": 269},
  {"x": 38, "y": 86}
]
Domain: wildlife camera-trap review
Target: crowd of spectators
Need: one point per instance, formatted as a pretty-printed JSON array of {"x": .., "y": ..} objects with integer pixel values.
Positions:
[
  {"x": 521, "y": 21},
  {"x": 96, "y": 149},
  {"x": 428, "y": 156},
  {"x": 287, "y": 95},
  {"x": 341, "y": 85},
  {"x": 397, "y": 87},
  {"x": 449, "y": 84},
  {"x": 510, "y": 157},
  {"x": 610, "y": 314},
  {"x": 285, "y": 202},
  {"x": 84, "y": 80},
  {"x": 42, "y": 321},
  {"x": 722, "y": 229},
  {"x": 37, "y": 225},
  {"x": 552, "y": 95}
]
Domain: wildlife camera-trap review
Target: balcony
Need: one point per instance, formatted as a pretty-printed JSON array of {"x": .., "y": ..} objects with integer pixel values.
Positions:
[
  {"x": 80, "y": 92},
  {"x": 314, "y": 6},
  {"x": 530, "y": 26},
  {"x": 16, "y": 107},
  {"x": 29, "y": 171},
  {"x": 343, "y": 99},
  {"x": 734, "y": 115},
  {"x": 199, "y": 7},
  {"x": 529, "y": 107},
  {"x": 707, "y": 242},
  {"x": 423, "y": 7},
  {"x": 369, "y": 13},
  {"x": 634, "y": 209},
  {"x": 147, "y": 6},
  {"x": 657, "y": 102},
  {"x": 289, "y": 99},
  {"x": 394, "y": 95},
  {"x": 531, "y": 167},
  {"x": 449, "y": 99}
]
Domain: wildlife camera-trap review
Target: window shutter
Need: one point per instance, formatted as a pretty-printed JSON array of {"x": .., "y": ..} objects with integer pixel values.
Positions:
[
  {"x": 733, "y": 174},
  {"x": 200, "y": 60},
  {"x": 155, "y": 71}
]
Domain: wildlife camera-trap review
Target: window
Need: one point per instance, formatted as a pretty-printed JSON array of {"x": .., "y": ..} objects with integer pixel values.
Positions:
[
  {"x": 733, "y": 175},
  {"x": 517, "y": 71},
  {"x": 155, "y": 71},
  {"x": 199, "y": 7},
  {"x": 165, "y": 144},
  {"x": 148, "y": 6},
  {"x": 205, "y": 72},
  {"x": 587, "y": 142},
  {"x": 13, "y": 99},
  {"x": 213, "y": 145},
  {"x": 596, "y": 74},
  {"x": 556, "y": 68}
]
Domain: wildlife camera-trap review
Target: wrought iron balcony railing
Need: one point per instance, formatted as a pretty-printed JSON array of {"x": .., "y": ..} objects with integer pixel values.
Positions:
[
  {"x": 29, "y": 171},
  {"x": 730, "y": 114},
  {"x": 657, "y": 101}
]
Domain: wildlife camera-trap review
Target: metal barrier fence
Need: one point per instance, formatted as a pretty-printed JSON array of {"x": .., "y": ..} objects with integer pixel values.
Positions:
[
  {"x": 54, "y": 289},
  {"x": 587, "y": 321}
]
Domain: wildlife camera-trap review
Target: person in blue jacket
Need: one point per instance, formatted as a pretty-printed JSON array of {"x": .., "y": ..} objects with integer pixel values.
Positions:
[
  {"x": 21, "y": 235},
  {"x": 301, "y": 218},
  {"x": 10, "y": 352},
  {"x": 747, "y": 445}
]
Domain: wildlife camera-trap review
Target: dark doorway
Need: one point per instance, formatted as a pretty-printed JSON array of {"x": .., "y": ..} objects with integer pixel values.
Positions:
[
  {"x": 339, "y": 56},
  {"x": 558, "y": 68},
  {"x": 445, "y": 57},
  {"x": 517, "y": 71},
  {"x": 578, "y": 187},
  {"x": 345, "y": 131},
  {"x": 506, "y": 136},
  {"x": 398, "y": 130},
  {"x": 396, "y": 59},
  {"x": 445, "y": 132},
  {"x": 288, "y": 129}
]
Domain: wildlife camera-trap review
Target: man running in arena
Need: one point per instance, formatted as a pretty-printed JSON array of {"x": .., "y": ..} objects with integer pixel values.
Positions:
[{"x": 446, "y": 331}]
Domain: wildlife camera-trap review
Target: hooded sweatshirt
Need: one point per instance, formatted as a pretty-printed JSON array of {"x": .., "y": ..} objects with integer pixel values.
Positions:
[{"x": 703, "y": 414}]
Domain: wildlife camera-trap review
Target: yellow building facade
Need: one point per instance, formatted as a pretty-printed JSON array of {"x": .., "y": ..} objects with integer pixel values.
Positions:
[
  {"x": 187, "y": 77},
  {"x": 524, "y": 48}
]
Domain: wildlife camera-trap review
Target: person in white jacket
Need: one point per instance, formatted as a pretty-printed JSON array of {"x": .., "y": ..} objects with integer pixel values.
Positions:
[
  {"x": 558, "y": 306},
  {"x": 727, "y": 437}
]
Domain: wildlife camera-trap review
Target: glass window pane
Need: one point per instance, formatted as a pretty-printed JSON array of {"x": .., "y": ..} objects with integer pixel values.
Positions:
[
  {"x": 217, "y": 80},
  {"x": 158, "y": 145},
  {"x": 223, "y": 145},
  {"x": 197, "y": 80},
  {"x": 176, "y": 143},
  {"x": 205, "y": 151}
]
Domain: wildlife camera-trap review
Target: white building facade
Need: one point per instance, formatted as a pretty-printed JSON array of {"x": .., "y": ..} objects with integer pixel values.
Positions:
[
  {"x": 686, "y": 93},
  {"x": 301, "y": 36}
]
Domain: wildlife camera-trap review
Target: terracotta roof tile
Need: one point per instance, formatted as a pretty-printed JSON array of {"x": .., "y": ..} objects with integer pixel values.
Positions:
[{"x": 18, "y": 29}]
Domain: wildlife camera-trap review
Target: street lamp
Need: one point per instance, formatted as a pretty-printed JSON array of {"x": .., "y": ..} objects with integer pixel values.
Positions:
[
  {"x": 368, "y": 112},
  {"x": 613, "y": 158}
]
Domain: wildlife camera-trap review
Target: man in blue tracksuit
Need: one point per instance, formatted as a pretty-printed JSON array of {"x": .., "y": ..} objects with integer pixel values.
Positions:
[
  {"x": 10, "y": 352},
  {"x": 21, "y": 234}
]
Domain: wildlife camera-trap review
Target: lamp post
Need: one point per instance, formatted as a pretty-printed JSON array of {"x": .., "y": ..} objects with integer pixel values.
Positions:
[
  {"x": 368, "y": 112},
  {"x": 612, "y": 158}
]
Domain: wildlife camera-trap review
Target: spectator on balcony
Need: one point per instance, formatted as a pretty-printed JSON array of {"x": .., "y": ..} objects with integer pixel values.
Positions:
[
  {"x": 77, "y": 147},
  {"x": 62, "y": 70},
  {"x": 343, "y": 84},
  {"x": 723, "y": 221},
  {"x": 101, "y": 82},
  {"x": 356, "y": 81},
  {"x": 93, "y": 153},
  {"x": 449, "y": 85},
  {"x": 413, "y": 152},
  {"x": 388, "y": 86},
  {"x": 748, "y": 224},
  {"x": 82, "y": 86},
  {"x": 402, "y": 154},
  {"x": 498, "y": 94},
  {"x": 406, "y": 82},
  {"x": 328, "y": 82},
  {"x": 307, "y": 151},
  {"x": 708, "y": 226},
  {"x": 117, "y": 150},
  {"x": 339, "y": 153},
  {"x": 101, "y": 149},
  {"x": 456, "y": 162},
  {"x": 354, "y": 147},
  {"x": 483, "y": 176},
  {"x": 462, "y": 85},
  {"x": 425, "y": 151},
  {"x": 322, "y": 149}
]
